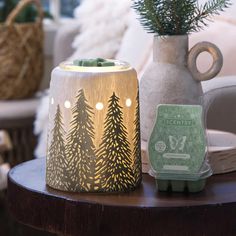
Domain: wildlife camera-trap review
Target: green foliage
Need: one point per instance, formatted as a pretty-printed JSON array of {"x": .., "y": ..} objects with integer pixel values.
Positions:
[
  {"x": 176, "y": 17},
  {"x": 57, "y": 164},
  {"x": 80, "y": 149},
  {"x": 99, "y": 62},
  {"x": 114, "y": 155},
  {"x": 137, "y": 147},
  {"x": 28, "y": 14}
]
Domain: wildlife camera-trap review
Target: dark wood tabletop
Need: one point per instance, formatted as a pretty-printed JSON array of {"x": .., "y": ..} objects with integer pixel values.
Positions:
[{"x": 144, "y": 211}]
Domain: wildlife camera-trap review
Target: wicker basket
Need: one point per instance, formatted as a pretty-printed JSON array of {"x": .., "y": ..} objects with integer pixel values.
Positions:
[{"x": 21, "y": 54}]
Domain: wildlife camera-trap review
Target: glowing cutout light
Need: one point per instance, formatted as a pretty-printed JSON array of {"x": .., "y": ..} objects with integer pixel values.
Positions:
[
  {"x": 128, "y": 102},
  {"x": 99, "y": 106},
  {"x": 67, "y": 104}
]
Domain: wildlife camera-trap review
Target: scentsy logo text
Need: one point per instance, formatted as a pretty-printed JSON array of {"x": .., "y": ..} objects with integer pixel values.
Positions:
[{"x": 178, "y": 122}]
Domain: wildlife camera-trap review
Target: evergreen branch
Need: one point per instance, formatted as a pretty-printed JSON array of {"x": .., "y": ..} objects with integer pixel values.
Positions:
[
  {"x": 176, "y": 17},
  {"x": 148, "y": 13},
  {"x": 214, "y": 6},
  {"x": 209, "y": 9}
]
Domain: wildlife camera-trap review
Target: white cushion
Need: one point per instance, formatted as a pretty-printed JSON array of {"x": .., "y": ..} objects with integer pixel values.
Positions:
[
  {"x": 136, "y": 46},
  {"x": 102, "y": 24}
]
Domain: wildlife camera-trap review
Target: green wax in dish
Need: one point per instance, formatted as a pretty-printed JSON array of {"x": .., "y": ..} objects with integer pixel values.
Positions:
[
  {"x": 99, "y": 62},
  {"x": 106, "y": 63}
]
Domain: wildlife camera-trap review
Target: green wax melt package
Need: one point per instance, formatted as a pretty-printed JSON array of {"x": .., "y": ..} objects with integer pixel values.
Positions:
[
  {"x": 180, "y": 183},
  {"x": 177, "y": 148}
]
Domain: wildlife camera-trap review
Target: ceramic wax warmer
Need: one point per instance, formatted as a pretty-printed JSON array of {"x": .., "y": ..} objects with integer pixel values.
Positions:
[{"x": 94, "y": 136}]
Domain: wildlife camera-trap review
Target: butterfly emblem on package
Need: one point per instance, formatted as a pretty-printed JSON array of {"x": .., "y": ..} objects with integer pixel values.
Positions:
[{"x": 177, "y": 143}]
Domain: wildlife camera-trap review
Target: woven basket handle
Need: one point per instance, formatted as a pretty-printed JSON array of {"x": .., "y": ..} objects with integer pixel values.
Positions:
[{"x": 20, "y": 6}]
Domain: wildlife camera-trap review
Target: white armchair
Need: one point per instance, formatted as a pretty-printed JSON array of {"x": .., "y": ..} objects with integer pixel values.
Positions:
[{"x": 219, "y": 103}]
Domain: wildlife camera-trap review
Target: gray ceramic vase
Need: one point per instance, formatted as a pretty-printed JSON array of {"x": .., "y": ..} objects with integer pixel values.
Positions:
[{"x": 173, "y": 77}]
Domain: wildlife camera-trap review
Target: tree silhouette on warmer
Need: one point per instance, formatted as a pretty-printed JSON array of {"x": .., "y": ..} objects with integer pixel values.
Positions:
[
  {"x": 80, "y": 147},
  {"x": 137, "y": 147},
  {"x": 57, "y": 163},
  {"x": 113, "y": 167}
]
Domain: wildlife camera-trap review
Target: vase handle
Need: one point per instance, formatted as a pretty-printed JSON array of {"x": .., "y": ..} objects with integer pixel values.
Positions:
[{"x": 216, "y": 65}]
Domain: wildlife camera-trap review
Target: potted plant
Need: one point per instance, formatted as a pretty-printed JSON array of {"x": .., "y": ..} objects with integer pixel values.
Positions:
[{"x": 173, "y": 77}]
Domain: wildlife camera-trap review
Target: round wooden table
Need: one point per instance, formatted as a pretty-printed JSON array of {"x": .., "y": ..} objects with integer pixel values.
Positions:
[{"x": 142, "y": 212}]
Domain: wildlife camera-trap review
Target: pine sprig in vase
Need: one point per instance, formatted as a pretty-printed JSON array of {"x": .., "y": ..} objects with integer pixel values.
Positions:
[{"x": 177, "y": 17}]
